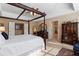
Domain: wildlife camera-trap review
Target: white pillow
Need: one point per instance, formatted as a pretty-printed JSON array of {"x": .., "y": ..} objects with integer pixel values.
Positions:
[{"x": 2, "y": 39}]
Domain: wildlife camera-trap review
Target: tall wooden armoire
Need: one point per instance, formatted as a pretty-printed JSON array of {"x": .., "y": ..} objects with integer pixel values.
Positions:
[{"x": 69, "y": 33}]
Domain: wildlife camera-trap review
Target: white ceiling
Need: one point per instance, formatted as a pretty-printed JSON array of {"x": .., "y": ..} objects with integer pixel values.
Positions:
[{"x": 51, "y": 9}]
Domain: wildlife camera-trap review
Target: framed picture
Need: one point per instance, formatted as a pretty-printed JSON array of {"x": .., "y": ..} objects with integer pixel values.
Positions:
[{"x": 19, "y": 29}]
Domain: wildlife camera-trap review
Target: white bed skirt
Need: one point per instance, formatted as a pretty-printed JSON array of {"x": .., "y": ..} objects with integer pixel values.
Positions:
[{"x": 18, "y": 46}]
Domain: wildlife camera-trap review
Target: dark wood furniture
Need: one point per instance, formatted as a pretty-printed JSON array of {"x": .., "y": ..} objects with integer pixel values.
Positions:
[
  {"x": 42, "y": 34},
  {"x": 24, "y": 7},
  {"x": 69, "y": 33},
  {"x": 43, "y": 31}
]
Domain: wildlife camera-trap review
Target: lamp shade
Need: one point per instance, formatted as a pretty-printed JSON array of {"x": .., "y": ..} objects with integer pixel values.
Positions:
[{"x": 2, "y": 28}]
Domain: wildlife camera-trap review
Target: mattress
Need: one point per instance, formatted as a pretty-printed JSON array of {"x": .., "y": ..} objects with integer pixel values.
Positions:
[{"x": 18, "y": 46}]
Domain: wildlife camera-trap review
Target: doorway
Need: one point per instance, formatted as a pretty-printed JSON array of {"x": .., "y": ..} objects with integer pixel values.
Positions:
[{"x": 55, "y": 31}]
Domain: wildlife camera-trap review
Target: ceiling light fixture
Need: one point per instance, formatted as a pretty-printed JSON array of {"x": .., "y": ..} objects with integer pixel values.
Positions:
[{"x": 32, "y": 13}]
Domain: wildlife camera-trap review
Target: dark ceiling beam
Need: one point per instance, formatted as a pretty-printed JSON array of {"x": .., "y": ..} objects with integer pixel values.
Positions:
[
  {"x": 21, "y": 19},
  {"x": 21, "y": 13},
  {"x": 13, "y": 18},
  {"x": 19, "y": 5}
]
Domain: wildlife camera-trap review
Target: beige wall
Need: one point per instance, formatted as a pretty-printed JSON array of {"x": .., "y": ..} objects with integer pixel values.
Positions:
[
  {"x": 7, "y": 21},
  {"x": 73, "y": 17}
]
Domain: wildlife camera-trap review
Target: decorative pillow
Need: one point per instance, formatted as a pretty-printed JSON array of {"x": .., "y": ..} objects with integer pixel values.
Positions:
[
  {"x": 2, "y": 39},
  {"x": 5, "y": 35}
]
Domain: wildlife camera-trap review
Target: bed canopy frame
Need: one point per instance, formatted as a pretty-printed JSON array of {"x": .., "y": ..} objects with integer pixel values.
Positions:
[{"x": 24, "y": 7}]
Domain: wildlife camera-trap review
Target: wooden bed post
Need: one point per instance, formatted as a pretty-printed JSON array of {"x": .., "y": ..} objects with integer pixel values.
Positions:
[
  {"x": 28, "y": 27},
  {"x": 44, "y": 34}
]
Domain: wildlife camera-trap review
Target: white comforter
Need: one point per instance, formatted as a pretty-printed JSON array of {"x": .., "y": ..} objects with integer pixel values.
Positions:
[{"x": 18, "y": 46}]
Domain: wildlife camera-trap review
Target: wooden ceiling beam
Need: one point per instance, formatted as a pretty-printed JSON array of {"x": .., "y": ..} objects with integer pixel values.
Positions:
[
  {"x": 13, "y": 18},
  {"x": 19, "y": 5},
  {"x": 21, "y": 13}
]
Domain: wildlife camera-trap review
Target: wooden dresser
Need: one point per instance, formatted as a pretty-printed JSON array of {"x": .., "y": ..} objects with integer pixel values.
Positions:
[{"x": 70, "y": 32}]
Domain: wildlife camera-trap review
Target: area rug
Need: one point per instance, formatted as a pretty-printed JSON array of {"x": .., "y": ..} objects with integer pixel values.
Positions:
[
  {"x": 50, "y": 51},
  {"x": 53, "y": 50},
  {"x": 65, "y": 52}
]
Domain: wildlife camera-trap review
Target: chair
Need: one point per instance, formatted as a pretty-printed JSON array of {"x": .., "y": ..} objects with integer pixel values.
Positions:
[{"x": 76, "y": 49}]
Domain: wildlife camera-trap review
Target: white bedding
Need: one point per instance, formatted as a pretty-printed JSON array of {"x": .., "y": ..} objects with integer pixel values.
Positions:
[{"x": 18, "y": 46}]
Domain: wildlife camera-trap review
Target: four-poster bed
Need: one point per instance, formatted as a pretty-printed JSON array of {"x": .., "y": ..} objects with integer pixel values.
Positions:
[
  {"x": 31, "y": 10},
  {"x": 35, "y": 40}
]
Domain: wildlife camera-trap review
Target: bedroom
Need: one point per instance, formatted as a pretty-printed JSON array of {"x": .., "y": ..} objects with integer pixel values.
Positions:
[{"x": 14, "y": 22}]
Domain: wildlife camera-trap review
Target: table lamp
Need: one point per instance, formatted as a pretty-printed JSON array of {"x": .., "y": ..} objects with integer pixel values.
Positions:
[{"x": 2, "y": 28}]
